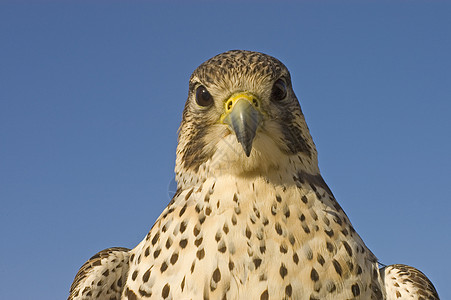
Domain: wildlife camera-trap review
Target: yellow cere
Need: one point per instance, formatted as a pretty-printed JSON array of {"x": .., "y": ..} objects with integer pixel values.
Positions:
[{"x": 230, "y": 103}]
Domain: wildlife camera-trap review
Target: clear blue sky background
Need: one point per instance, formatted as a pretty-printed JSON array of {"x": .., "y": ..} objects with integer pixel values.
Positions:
[{"x": 91, "y": 96}]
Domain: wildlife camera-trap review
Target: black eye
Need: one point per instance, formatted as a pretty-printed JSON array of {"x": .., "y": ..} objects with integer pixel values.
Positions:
[
  {"x": 279, "y": 90},
  {"x": 203, "y": 97}
]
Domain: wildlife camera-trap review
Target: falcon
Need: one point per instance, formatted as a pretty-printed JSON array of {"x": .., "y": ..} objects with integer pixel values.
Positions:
[{"x": 252, "y": 218}]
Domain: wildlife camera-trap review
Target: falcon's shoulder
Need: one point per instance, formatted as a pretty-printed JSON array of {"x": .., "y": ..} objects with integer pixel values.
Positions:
[
  {"x": 102, "y": 276},
  {"x": 405, "y": 282}
]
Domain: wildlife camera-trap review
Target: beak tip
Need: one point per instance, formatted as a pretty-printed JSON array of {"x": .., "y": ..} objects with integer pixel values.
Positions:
[{"x": 247, "y": 147}]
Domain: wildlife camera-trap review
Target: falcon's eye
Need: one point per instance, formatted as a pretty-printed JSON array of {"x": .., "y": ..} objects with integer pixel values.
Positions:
[
  {"x": 203, "y": 97},
  {"x": 279, "y": 90}
]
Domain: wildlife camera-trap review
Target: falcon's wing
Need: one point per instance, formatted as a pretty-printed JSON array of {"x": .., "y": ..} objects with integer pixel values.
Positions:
[
  {"x": 405, "y": 282},
  {"x": 102, "y": 275}
]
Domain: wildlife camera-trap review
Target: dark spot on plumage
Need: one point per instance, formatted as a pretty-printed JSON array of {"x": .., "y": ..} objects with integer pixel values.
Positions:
[
  {"x": 313, "y": 187},
  {"x": 131, "y": 295},
  {"x": 283, "y": 248},
  {"x": 257, "y": 262},
  {"x": 155, "y": 238},
  {"x": 274, "y": 209},
  {"x": 146, "y": 275},
  {"x": 164, "y": 228},
  {"x": 198, "y": 241},
  {"x": 222, "y": 247},
  {"x": 182, "y": 211},
  {"x": 170, "y": 210},
  {"x": 330, "y": 247},
  {"x": 337, "y": 220},
  {"x": 314, "y": 275},
  {"x": 143, "y": 293},
  {"x": 168, "y": 243},
  {"x": 182, "y": 285},
  {"x": 97, "y": 263},
  {"x": 283, "y": 271},
  {"x": 302, "y": 218},
  {"x": 231, "y": 265},
  {"x": 165, "y": 291},
  {"x": 234, "y": 220},
  {"x": 337, "y": 267},
  {"x": 252, "y": 219},
  {"x": 202, "y": 218},
  {"x": 330, "y": 232},
  {"x": 320, "y": 259},
  {"x": 200, "y": 254},
  {"x": 278, "y": 228},
  {"x": 348, "y": 248},
  {"x": 174, "y": 258},
  {"x": 295, "y": 258},
  {"x": 208, "y": 211},
  {"x": 196, "y": 230},
  {"x": 182, "y": 227},
  {"x": 331, "y": 287},
  {"x": 291, "y": 239},
  {"x": 278, "y": 198},
  {"x": 134, "y": 275},
  {"x": 216, "y": 275},
  {"x": 359, "y": 270},
  {"x": 257, "y": 213},
  {"x": 264, "y": 295},
  {"x": 225, "y": 228},
  {"x": 314, "y": 214},
  {"x": 183, "y": 243},
  {"x": 355, "y": 290},
  {"x": 304, "y": 199},
  {"x": 287, "y": 212},
  {"x": 248, "y": 232},
  {"x": 163, "y": 267},
  {"x": 288, "y": 290}
]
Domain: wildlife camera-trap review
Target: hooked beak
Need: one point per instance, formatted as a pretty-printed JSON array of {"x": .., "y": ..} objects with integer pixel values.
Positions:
[{"x": 244, "y": 117}]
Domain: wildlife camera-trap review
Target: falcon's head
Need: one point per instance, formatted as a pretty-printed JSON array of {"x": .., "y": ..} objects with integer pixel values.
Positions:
[{"x": 241, "y": 117}]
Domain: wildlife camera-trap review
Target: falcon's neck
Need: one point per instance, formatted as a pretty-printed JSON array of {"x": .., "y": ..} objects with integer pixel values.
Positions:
[{"x": 278, "y": 170}]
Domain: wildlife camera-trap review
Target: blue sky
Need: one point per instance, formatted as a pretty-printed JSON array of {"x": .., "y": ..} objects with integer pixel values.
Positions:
[{"x": 91, "y": 98}]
